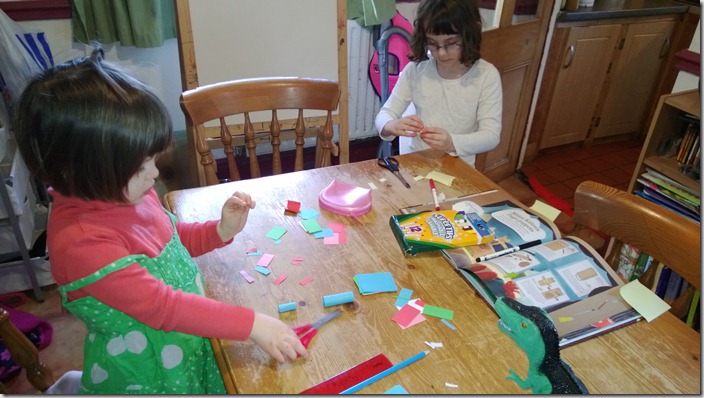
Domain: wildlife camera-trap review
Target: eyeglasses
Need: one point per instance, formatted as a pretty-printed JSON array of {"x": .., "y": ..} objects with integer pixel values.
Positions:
[{"x": 449, "y": 47}]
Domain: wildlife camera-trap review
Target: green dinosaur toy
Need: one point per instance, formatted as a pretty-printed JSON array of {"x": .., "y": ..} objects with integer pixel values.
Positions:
[{"x": 532, "y": 330}]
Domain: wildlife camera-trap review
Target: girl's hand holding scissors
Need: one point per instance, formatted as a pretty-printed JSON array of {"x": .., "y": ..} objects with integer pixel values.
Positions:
[{"x": 276, "y": 338}]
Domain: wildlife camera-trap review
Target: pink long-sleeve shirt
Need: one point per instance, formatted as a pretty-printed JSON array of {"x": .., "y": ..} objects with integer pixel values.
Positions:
[{"x": 85, "y": 236}]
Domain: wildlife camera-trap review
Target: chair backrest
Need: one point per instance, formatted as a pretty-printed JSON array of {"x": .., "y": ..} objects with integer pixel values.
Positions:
[
  {"x": 25, "y": 354},
  {"x": 661, "y": 233},
  {"x": 242, "y": 97}
]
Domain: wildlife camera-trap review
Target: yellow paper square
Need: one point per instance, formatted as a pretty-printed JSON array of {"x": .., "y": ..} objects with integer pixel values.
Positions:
[
  {"x": 546, "y": 210},
  {"x": 441, "y": 177},
  {"x": 643, "y": 300}
]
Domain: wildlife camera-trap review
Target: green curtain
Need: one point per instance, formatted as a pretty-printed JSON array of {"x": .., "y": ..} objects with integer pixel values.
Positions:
[
  {"x": 370, "y": 12},
  {"x": 140, "y": 23}
]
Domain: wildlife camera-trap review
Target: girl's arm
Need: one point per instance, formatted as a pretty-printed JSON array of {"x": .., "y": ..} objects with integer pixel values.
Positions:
[
  {"x": 401, "y": 96},
  {"x": 136, "y": 292},
  {"x": 200, "y": 238}
]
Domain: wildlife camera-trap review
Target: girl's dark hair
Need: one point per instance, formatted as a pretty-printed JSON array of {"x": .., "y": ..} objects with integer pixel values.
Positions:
[
  {"x": 86, "y": 126},
  {"x": 448, "y": 17}
]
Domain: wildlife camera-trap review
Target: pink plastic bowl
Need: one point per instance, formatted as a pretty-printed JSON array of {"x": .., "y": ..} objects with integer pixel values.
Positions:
[{"x": 345, "y": 199}]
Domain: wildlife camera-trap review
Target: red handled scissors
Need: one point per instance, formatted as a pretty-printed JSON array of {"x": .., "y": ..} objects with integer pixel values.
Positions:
[{"x": 307, "y": 331}]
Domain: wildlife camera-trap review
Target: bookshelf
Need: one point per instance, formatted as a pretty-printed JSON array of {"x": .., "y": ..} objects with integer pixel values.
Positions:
[{"x": 667, "y": 123}]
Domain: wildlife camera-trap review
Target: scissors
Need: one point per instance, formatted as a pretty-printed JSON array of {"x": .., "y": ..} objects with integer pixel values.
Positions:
[
  {"x": 391, "y": 163},
  {"x": 307, "y": 331}
]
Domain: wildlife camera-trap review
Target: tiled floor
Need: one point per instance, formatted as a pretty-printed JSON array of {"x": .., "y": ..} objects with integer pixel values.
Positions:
[{"x": 560, "y": 172}]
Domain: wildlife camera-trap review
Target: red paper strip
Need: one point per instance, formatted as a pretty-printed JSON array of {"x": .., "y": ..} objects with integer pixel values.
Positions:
[
  {"x": 280, "y": 279},
  {"x": 352, "y": 376},
  {"x": 307, "y": 280}
]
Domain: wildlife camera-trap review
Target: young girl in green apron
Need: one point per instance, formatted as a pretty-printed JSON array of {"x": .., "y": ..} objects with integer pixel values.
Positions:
[{"x": 123, "y": 264}]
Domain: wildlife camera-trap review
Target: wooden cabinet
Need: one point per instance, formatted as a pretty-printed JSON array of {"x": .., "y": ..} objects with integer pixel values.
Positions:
[
  {"x": 667, "y": 123},
  {"x": 635, "y": 73},
  {"x": 600, "y": 79},
  {"x": 584, "y": 62}
]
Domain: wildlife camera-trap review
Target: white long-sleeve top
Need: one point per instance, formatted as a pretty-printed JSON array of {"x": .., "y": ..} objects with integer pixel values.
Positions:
[{"x": 468, "y": 108}]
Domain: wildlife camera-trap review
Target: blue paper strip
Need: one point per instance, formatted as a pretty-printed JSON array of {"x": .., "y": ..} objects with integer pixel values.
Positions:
[{"x": 340, "y": 298}]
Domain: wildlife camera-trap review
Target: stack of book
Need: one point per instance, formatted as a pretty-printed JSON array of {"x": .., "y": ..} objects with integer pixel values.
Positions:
[{"x": 660, "y": 189}]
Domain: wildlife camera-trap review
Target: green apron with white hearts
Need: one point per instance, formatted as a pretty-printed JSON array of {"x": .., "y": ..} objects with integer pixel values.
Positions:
[{"x": 125, "y": 356}]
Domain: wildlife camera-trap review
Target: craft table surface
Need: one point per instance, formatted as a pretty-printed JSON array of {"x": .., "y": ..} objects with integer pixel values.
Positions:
[{"x": 661, "y": 357}]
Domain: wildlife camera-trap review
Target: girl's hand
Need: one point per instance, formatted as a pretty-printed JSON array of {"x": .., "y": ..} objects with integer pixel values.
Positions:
[
  {"x": 437, "y": 138},
  {"x": 234, "y": 215},
  {"x": 406, "y": 126},
  {"x": 276, "y": 338}
]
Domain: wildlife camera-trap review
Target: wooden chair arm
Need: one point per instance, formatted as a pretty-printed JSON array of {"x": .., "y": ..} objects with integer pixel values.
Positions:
[
  {"x": 24, "y": 353},
  {"x": 663, "y": 234}
]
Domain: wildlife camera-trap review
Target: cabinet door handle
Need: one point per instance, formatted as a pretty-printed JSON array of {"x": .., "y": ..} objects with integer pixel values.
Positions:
[
  {"x": 570, "y": 57},
  {"x": 665, "y": 47}
]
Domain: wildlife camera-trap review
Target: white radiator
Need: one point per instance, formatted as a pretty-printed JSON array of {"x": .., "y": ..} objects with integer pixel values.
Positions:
[{"x": 364, "y": 104}]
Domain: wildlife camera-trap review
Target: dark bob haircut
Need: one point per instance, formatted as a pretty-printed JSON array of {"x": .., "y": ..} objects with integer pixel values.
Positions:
[
  {"x": 86, "y": 126},
  {"x": 448, "y": 17}
]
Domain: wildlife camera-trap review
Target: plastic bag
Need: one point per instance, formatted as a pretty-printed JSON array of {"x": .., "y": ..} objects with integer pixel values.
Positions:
[{"x": 24, "y": 55}]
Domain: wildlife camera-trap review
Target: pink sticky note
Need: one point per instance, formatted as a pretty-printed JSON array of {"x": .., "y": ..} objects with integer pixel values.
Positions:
[
  {"x": 265, "y": 259},
  {"x": 280, "y": 279},
  {"x": 251, "y": 250},
  {"x": 246, "y": 276},
  {"x": 406, "y": 316},
  {"x": 296, "y": 263},
  {"x": 299, "y": 259},
  {"x": 332, "y": 240},
  {"x": 343, "y": 237},
  {"x": 307, "y": 280},
  {"x": 336, "y": 226}
]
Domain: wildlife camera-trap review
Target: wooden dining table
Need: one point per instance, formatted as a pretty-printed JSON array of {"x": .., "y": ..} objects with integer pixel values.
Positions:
[{"x": 657, "y": 357}]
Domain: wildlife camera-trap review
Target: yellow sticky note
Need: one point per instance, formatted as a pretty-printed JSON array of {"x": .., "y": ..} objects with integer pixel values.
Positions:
[
  {"x": 546, "y": 210},
  {"x": 441, "y": 177},
  {"x": 643, "y": 300},
  {"x": 565, "y": 319}
]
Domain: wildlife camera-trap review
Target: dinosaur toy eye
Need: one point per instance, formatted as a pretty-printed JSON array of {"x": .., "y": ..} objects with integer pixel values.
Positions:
[{"x": 523, "y": 325}]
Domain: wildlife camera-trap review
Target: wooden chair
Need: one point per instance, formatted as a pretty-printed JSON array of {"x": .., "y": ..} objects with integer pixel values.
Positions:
[
  {"x": 661, "y": 233},
  {"x": 26, "y": 355},
  {"x": 215, "y": 102}
]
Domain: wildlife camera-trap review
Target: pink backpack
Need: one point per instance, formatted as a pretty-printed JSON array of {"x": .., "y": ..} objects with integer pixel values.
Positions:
[{"x": 399, "y": 49}]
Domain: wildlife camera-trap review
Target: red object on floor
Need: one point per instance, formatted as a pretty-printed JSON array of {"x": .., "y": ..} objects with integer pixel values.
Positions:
[
  {"x": 13, "y": 299},
  {"x": 552, "y": 199}
]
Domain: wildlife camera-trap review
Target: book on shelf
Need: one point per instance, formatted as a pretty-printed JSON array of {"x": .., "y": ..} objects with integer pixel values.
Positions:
[
  {"x": 627, "y": 259},
  {"x": 642, "y": 264},
  {"x": 563, "y": 275},
  {"x": 670, "y": 194}
]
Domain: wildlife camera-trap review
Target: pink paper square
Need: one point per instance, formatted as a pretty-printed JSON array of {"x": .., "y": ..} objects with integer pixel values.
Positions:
[
  {"x": 265, "y": 259},
  {"x": 337, "y": 226},
  {"x": 406, "y": 316},
  {"x": 332, "y": 240}
]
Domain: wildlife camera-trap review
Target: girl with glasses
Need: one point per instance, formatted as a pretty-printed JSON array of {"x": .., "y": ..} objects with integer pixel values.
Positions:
[{"x": 456, "y": 94}]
